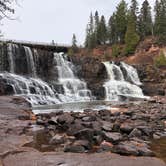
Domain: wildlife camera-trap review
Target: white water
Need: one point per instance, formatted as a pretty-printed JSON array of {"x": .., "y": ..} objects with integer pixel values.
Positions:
[
  {"x": 30, "y": 61},
  {"x": 11, "y": 49},
  {"x": 74, "y": 88},
  {"x": 132, "y": 74},
  {"x": 116, "y": 86},
  {"x": 34, "y": 90}
]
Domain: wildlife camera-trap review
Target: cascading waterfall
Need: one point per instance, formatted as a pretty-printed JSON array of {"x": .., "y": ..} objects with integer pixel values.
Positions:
[
  {"x": 62, "y": 85},
  {"x": 35, "y": 91},
  {"x": 118, "y": 86},
  {"x": 131, "y": 74},
  {"x": 11, "y": 48},
  {"x": 74, "y": 88},
  {"x": 30, "y": 61}
]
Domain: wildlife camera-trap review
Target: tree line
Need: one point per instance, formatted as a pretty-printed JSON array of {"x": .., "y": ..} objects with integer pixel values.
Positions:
[{"x": 127, "y": 25}]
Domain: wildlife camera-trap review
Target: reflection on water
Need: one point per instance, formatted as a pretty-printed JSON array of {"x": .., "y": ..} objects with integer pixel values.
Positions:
[
  {"x": 159, "y": 147},
  {"x": 76, "y": 107}
]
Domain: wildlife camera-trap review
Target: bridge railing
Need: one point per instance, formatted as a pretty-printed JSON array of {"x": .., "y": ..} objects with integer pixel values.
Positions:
[{"x": 52, "y": 43}]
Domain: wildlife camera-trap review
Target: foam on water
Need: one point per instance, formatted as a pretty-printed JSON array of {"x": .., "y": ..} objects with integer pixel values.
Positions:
[{"x": 117, "y": 85}]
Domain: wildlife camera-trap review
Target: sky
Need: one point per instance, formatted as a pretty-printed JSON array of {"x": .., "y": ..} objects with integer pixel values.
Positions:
[{"x": 47, "y": 20}]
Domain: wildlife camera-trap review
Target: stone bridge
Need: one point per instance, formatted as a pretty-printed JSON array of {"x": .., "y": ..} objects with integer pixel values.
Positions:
[{"x": 52, "y": 46}]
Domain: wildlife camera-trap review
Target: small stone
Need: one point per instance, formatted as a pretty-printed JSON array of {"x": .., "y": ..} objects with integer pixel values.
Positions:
[
  {"x": 86, "y": 134},
  {"x": 98, "y": 139},
  {"x": 74, "y": 148},
  {"x": 105, "y": 146},
  {"x": 125, "y": 149},
  {"x": 86, "y": 144},
  {"x": 135, "y": 133},
  {"x": 126, "y": 128},
  {"x": 89, "y": 118},
  {"x": 65, "y": 118},
  {"x": 40, "y": 122},
  {"x": 107, "y": 126},
  {"x": 57, "y": 139},
  {"x": 113, "y": 136}
]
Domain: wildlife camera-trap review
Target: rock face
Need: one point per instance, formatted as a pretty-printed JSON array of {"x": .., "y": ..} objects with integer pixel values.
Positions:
[
  {"x": 153, "y": 79},
  {"x": 93, "y": 72}
]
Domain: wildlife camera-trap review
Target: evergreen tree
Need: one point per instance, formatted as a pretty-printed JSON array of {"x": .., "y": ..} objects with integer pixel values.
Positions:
[
  {"x": 157, "y": 10},
  {"x": 90, "y": 35},
  {"x": 96, "y": 19},
  {"x": 134, "y": 11},
  {"x": 145, "y": 20},
  {"x": 121, "y": 20},
  {"x": 102, "y": 31},
  {"x": 131, "y": 36},
  {"x": 160, "y": 20},
  {"x": 112, "y": 33},
  {"x": 74, "y": 43}
]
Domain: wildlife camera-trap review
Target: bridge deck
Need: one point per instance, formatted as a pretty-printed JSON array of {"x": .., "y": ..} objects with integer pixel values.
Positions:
[{"x": 41, "y": 45}]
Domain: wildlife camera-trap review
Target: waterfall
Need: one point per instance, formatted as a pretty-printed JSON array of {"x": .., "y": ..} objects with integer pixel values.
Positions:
[
  {"x": 117, "y": 86},
  {"x": 30, "y": 62},
  {"x": 24, "y": 61},
  {"x": 11, "y": 55},
  {"x": 131, "y": 74},
  {"x": 74, "y": 88},
  {"x": 34, "y": 90}
]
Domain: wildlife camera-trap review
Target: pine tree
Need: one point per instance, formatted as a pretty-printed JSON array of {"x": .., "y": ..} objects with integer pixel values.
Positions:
[
  {"x": 157, "y": 10},
  {"x": 134, "y": 11},
  {"x": 74, "y": 43},
  {"x": 160, "y": 21},
  {"x": 90, "y": 34},
  {"x": 131, "y": 36},
  {"x": 121, "y": 20},
  {"x": 102, "y": 31},
  {"x": 145, "y": 20},
  {"x": 96, "y": 20},
  {"x": 112, "y": 33}
]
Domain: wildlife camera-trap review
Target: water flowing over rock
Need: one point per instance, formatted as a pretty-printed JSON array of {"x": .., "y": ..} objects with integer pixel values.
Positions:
[
  {"x": 118, "y": 84},
  {"x": 74, "y": 88},
  {"x": 58, "y": 83},
  {"x": 46, "y": 77}
]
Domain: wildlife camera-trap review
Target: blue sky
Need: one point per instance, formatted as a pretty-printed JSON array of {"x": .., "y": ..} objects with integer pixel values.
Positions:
[{"x": 47, "y": 20}]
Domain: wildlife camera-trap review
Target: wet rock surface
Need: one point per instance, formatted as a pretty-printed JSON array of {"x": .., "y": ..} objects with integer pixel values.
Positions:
[
  {"x": 127, "y": 129},
  {"x": 24, "y": 137}
]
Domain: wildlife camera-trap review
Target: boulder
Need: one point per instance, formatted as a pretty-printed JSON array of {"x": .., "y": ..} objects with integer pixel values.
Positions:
[
  {"x": 107, "y": 126},
  {"x": 65, "y": 118},
  {"x": 57, "y": 139},
  {"x": 113, "y": 137},
  {"x": 135, "y": 133},
  {"x": 74, "y": 148},
  {"x": 85, "y": 134}
]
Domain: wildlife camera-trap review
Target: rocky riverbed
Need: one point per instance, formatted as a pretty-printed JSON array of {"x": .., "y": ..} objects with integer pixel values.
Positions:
[
  {"x": 126, "y": 129},
  {"x": 95, "y": 137}
]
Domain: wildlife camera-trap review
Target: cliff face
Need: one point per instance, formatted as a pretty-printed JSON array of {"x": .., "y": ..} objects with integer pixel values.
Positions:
[
  {"x": 153, "y": 79},
  {"x": 93, "y": 72}
]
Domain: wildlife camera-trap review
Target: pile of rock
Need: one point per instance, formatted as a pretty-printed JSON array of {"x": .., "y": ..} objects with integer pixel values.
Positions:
[{"x": 126, "y": 130}]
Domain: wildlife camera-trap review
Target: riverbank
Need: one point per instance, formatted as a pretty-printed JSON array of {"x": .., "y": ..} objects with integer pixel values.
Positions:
[{"x": 18, "y": 133}]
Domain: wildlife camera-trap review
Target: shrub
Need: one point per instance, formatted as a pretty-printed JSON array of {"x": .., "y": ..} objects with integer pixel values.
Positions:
[
  {"x": 160, "y": 60},
  {"x": 115, "y": 50}
]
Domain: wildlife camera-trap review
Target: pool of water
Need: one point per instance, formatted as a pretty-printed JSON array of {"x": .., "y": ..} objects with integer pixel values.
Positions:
[
  {"x": 75, "y": 107},
  {"x": 159, "y": 147}
]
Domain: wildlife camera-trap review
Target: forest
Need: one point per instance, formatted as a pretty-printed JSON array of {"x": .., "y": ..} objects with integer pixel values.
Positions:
[{"x": 127, "y": 25}]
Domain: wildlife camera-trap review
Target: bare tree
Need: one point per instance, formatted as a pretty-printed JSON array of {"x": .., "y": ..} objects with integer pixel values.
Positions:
[{"x": 6, "y": 8}]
